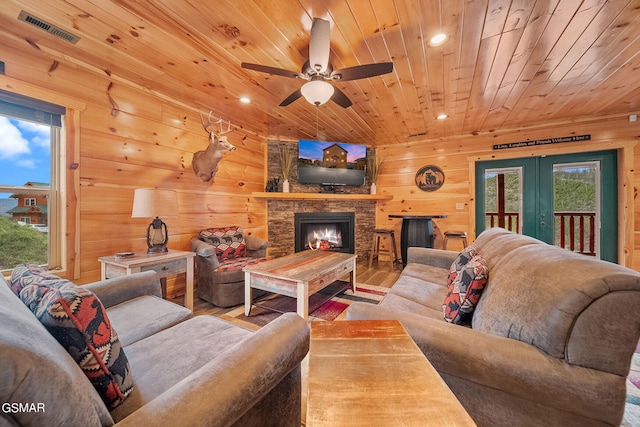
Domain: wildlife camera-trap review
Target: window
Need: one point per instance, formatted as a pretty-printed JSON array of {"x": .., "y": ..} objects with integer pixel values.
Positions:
[{"x": 30, "y": 217}]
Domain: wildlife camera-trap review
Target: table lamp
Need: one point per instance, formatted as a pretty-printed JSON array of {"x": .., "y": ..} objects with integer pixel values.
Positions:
[{"x": 155, "y": 202}]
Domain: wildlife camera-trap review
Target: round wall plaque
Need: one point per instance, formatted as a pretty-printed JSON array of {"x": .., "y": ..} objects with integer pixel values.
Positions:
[{"x": 429, "y": 178}]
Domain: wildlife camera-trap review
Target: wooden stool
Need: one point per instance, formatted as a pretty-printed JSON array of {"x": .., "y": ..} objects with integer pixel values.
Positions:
[
  {"x": 455, "y": 235},
  {"x": 378, "y": 234}
]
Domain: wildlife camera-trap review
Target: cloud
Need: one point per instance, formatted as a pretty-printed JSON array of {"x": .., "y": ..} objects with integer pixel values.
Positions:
[
  {"x": 40, "y": 135},
  {"x": 12, "y": 143},
  {"x": 26, "y": 164}
]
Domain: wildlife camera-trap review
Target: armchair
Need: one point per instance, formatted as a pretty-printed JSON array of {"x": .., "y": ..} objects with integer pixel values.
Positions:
[{"x": 221, "y": 254}]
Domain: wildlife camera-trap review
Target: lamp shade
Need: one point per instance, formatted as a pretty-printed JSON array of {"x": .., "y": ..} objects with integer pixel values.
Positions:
[
  {"x": 154, "y": 202},
  {"x": 317, "y": 92}
]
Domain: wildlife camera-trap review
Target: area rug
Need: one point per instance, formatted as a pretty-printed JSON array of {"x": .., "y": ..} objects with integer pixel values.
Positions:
[
  {"x": 329, "y": 303},
  {"x": 632, "y": 408}
]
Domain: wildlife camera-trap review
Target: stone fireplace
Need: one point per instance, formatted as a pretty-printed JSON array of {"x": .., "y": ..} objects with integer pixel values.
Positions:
[
  {"x": 333, "y": 231},
  {"x": 282, "y": 214}
]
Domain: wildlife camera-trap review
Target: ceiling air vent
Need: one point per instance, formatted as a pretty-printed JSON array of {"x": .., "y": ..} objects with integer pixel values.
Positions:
[{"x": 50, "y": 28}]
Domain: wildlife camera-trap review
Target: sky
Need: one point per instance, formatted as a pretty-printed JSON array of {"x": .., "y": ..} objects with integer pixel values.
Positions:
[
  {"x": 25, "y": 149},
  {"x": 313, "y": 150}
]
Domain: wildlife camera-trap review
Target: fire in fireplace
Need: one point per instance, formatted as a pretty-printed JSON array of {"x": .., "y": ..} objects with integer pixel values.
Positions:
[
  {"x": 323, "y": 237},
  {"x": 334, "y": 231}
]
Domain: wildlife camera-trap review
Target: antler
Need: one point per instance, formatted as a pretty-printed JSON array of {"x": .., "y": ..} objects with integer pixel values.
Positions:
[{"x": 216, "y": 127}]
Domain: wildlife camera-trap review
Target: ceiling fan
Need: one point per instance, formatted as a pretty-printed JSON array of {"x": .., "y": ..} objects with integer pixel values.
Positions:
[{"x": 318, "y": 71}]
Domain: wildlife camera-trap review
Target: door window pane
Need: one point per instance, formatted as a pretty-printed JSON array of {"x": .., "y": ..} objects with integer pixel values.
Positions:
[
  {"x": 503, "y": 198},
  {"x": 576, "y": 206}
]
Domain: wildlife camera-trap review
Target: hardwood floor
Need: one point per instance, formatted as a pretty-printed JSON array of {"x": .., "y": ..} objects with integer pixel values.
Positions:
[{"x": 380, "y": 274}]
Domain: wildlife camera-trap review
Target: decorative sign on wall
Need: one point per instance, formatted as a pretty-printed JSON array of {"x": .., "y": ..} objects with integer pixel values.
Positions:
[
  {"x": 574, "y": 138},
  {"x": 429, "y": 178}
]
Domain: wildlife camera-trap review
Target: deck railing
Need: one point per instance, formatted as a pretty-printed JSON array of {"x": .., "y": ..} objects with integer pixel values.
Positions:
[
  {"x": 508, "y": 220},
  {"x": 574, "y": 231}
]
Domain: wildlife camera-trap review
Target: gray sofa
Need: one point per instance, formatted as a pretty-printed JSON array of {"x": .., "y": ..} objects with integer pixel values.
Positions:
[
  {"x": 550, "y": 341},
  {"x": 187, "y": 371}
]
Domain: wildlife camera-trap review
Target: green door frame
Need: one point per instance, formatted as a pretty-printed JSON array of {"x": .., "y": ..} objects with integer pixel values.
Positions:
[{"x": 538, "y": 204}]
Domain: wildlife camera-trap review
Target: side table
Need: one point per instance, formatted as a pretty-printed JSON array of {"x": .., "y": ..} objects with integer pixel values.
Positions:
[{"x": 165, "y": 264}]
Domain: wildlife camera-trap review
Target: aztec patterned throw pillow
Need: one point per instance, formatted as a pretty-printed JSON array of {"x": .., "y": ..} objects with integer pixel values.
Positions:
[
  {"x": 28, "y": 274},
  {"x": 76, "y": 318},
  {"x": 228, "y": 241},
  {"x": 467, "y": 279}
]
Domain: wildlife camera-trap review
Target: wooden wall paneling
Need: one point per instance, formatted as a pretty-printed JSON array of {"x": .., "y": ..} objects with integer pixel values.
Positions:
[
  {"x": 148, "y": 127},
  {"x": 457, "y": 155},
  {"x": 21, "y": 87},
  {"x": 32, "y": 66},
  {"x": 626, "y": 201},
  {"x": 70, "y": 219},
  {"x": 138, "y": 128}
]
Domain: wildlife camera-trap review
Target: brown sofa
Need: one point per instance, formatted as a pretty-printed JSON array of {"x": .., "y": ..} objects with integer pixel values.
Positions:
[
  {"x": 550, "y": 341},
  {"x": 221, "y": 282}
]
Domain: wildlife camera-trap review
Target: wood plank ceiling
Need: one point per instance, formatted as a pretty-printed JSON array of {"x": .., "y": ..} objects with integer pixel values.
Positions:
[{"x": 506, "y": 64}]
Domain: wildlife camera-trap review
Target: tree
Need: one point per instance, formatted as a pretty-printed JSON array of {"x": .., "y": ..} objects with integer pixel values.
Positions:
[{"x": 21, "y": 244}]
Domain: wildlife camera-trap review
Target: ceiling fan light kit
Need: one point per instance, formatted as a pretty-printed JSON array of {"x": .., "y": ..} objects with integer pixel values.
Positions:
[
  {"x": 317, "y": 92},
  {"x": 319, "y": 71}
]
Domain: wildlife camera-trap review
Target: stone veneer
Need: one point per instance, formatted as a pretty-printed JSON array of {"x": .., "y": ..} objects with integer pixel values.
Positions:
[{"x": 281, "y": 226}]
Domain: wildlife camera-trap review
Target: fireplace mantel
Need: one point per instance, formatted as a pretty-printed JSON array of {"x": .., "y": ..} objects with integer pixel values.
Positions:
[{"x": 320, "y": 196}]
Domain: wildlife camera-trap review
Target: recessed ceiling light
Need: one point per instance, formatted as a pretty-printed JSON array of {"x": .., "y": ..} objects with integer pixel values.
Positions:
[
  {"x": 245, "y": 100},
  {"x": 438, "y": 39},
  {"x": 441, "y": 116}
]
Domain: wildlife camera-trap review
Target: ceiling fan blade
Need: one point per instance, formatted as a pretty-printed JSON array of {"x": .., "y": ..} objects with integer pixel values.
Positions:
[
  {"x": 295, "y": 95},
  {"x": 319, "y": 45},
  {"x": 340, "y": 98},
  {"x": 271, "y": 70},
  {"x": 362, "y": 71}
]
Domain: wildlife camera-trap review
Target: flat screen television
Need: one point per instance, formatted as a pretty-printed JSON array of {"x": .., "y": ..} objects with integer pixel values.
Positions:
[{"x": 331, "y": 163}]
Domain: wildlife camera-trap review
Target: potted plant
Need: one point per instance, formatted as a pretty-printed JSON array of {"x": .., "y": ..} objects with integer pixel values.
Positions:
[
  {"x": 374, "y": 165},
  {"x": 287, "y": 157}
]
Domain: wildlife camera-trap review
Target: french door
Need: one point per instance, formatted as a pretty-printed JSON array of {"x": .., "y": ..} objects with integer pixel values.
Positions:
[{"x": 565, "y": 200}]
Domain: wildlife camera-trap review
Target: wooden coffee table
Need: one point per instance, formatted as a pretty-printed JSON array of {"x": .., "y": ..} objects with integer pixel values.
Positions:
[
  {"x": 298, "y": 275},
  {"x": 371, "y": 373}
]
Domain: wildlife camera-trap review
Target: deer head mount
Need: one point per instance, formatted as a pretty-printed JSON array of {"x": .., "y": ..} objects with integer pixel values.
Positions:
[{"x": 205, "y": 162}]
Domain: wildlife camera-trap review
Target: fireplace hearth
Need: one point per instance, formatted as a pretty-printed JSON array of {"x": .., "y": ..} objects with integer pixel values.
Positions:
[{"x": 333, "y": 231}]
